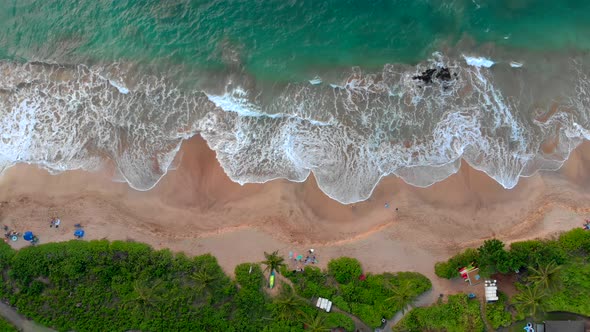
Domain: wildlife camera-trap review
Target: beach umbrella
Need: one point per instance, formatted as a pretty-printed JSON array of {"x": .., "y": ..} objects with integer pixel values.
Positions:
[
  {"x": 79, "y": 233},
  {"x": 299, "y": 257},
  {"x": 28, "y": 236}
]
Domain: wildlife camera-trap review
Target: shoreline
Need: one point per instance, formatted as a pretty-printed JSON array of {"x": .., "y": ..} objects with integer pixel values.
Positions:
[{"x": 196, "y": 209}]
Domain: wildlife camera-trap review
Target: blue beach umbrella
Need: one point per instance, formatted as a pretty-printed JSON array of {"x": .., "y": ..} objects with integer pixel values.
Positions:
[
  {"x": 28, "y": 236},
  {"x": 79, "y": 233}
]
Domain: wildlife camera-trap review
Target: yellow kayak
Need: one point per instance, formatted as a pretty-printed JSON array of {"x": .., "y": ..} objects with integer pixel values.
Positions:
[{"x": 271, "y": 281}]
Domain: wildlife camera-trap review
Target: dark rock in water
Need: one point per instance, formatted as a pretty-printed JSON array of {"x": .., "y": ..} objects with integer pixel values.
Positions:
[
  {"x": 427, "y": 76},
  {"x": 444, "y": 74}
]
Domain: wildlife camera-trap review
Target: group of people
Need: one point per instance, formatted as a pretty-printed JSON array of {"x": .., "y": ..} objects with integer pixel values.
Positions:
[
  {"x": 310, "y": 258},
  {"x": 9, "y": 234},
  {"x": 14, "y": 235},
  {"x": 55, "y": 222}
]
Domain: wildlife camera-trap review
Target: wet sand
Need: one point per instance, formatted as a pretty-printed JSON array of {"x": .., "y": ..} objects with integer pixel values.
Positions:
[{"x": 197, "y": 209}]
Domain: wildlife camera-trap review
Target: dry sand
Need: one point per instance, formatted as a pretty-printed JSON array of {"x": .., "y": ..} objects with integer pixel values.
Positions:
[{"x": 197, "y": 209}]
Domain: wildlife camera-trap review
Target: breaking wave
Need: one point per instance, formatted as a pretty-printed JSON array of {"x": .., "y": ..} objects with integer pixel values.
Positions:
[{"x": 415, "y": 122}]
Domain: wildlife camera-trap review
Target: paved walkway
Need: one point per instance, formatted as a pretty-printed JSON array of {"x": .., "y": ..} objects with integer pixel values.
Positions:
[{"x": 21, "y": 323}]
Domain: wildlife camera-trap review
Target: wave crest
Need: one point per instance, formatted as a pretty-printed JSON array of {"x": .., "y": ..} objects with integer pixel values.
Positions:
[
  {"x": 349, "y": 132},
  {"x": 377, "y": 124}
]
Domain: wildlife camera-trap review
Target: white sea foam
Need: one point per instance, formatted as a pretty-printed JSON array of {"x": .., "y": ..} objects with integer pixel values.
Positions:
[
  {"x": 235, "y": 101},
  {"x": 376, "y": 120},
  {"x": 349, "y": 134},
  {"x": 70, "y": 124},
  {"x": 119, "y": 87},
  {"x": 315, "y": 81},
  {"x": 478, "y": 61}
]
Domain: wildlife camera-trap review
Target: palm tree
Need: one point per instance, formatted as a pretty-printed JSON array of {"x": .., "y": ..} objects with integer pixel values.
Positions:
[
  {"x": 273, "y": 261},
  {"x": 530, "y": 299},
  {"x": 203, "y": 281},
  {"x": 403, "y": 295},
  {"x": 144, "y": 296},
  {"x": 288, "y": 304},
  {"x": 546, "y": 277},
  {"x": 315, "y": 322}
]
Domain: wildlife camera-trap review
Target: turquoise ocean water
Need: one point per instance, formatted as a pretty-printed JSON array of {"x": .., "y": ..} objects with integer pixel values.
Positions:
[{"x": 280, "y": 89}]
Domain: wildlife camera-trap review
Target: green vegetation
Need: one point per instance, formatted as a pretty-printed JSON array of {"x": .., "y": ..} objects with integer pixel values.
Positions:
[
  {"x": 273, "y": 261},
  {"x": 558, "y": 278},
  {"x": 492, "y": 258},
  {"x": 458, "y": 314},
  {"x": 535, "y": 253},
  {"x": 370, "y": 298},
  {"x": 574, "y": 295},
  {"x": 338, "y": 319},
  {"x": 575, "y": 241},
  {"x": 315, "y": 322},
  {"x": 449, "y": 269},
  {"x": 529, "y": 300},
  {"x": 553, "y": 275},
  {"x": 345, "y": 269},
  {"x": 99, "y": 285},
  {"x": 497, "y": 313},
  {"x": 546, "y": 277},
  {"x": 6, "y": 326},
  {"x": 402, "y": 294},
  {"x": 118, "y": 286}
]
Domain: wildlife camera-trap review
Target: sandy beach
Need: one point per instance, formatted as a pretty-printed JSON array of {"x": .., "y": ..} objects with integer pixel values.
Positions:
[{"x": 197, "y": 209}]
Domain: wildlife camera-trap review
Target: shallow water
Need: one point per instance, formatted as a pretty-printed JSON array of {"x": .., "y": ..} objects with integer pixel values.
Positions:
[{"x": 280, "y": 89}]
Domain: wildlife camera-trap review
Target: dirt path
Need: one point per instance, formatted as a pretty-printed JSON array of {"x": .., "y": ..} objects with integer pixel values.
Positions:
[{"x": 21, "y": 323}]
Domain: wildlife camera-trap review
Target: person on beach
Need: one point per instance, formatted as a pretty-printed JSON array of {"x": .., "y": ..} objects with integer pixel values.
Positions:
[{"x": 55, "y": 222}]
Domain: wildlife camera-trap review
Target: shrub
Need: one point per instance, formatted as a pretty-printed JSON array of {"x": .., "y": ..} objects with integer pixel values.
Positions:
[
  {"x": 312, "y": 282},
  {"x": 97, "y": 285},
  {"x": 249, "y": 275},
  {"x": 492, "y": 257},
  {"x": 497, "y": 313},
  {"x": 449, "y": 269},
  {"x": 370, "y": 299},
  {"x": 575, "y": 295},
  {"x": 336, "y": 319},
  {"x": 7, "y": 327},
  {"x": 340, "y": 303},
  {"x": 458, "y": 314},
  {"x": 101, "y": 285},
  {"x": 575, "y": 241},
  {"x": 6, "y": 254},
  {"x": 382, "y": 295},
  {"x": 367, "y": 314},
  {"x": 511, "y": 263},
  {"x": 345, "y": 269},
  {"x": 420, "y": 283},
  {"x": 537, "y": 253}
]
